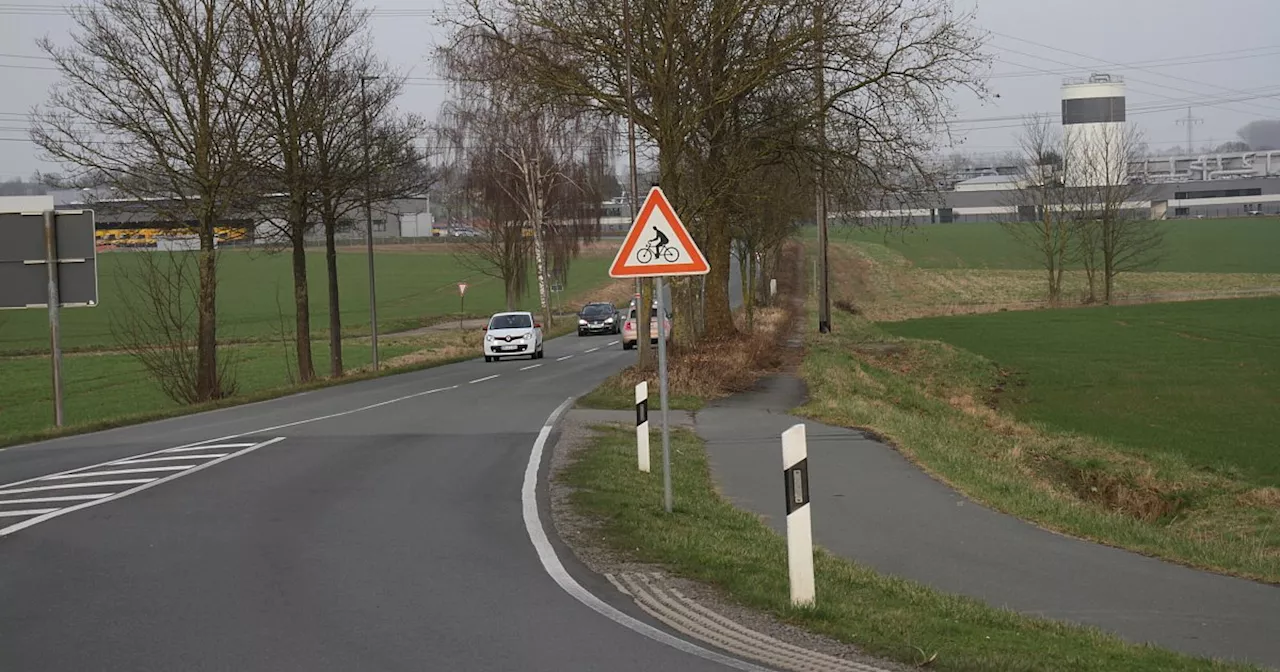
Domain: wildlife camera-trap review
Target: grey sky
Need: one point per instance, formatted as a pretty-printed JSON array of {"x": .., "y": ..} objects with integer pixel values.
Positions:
[{"x": 1211, "y": 55}]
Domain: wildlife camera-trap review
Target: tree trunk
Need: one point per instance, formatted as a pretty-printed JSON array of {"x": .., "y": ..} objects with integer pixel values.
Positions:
[
  {"x": 335, "y": 315},
  {"x": 208, "y": 385},
  {"x": 540, "y": 261},
  {"x": 718, "y": 241},
  {"x": 301, "y": 300}
]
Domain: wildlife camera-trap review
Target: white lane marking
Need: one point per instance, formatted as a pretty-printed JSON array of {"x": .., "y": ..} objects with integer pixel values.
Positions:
[
  {"x": 551, "y": 562},
  {"x": 591, "y": 350},
  {"x": 481, "y": 380},
  {"x": 116, "y": 472},
  {"x": 263, "y": 430},
  {"x": 614, "y": 342},
  {"x": 216, "y": 446},
  {"x": 564, "y": 358},
  {"x": 28, "y": 512},
  {"x": 63, "y": 486},
  {"x": 60, "y": 498},
  {"x": 151, "y": 483},
  {"x": 531, "y": 366},
  {"x": 146, "y": 460}
]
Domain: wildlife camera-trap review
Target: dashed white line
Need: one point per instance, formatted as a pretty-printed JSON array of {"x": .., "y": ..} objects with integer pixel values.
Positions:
[
  {"x": 59, "y": 498},
  {"x": 614, "y": 342},
  {"x": 145, "y": 460},
  {"x": 142, "y": 484},
  {"x": 28, "y": 512},
  {"x": 117, "y": 472},
  {"x": 531, "y": 366},
  {"x": 591, "y": 350},
  {"x": 564, "y": 358},
  {"x": 63, "y": 486},
  {"x": 481, "y": 380}
]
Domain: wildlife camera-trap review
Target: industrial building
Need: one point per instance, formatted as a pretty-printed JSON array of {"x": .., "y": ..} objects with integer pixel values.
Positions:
[{"x": 1094, "y": 125}]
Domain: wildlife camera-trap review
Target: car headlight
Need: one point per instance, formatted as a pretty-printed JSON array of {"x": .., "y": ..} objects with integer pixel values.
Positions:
[
  {"x": 488, "y": 338},
  {"x": 608, "y": 320},
  {"x": 581, "y": 321},
  {"x": 527, "y": 334}
]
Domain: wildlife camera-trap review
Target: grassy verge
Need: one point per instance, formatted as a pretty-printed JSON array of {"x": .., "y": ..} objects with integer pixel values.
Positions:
[
  {"x": 706, "y": 539},
  {"x": 932, "y": 402}
]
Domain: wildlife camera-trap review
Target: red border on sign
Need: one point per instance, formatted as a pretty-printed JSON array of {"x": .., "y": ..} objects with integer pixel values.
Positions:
[{"x": 696, "y": 266}]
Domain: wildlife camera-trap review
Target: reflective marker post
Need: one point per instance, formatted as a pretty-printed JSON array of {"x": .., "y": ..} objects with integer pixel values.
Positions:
[
  {"x": 662, "y": 393},
  {"x": 795, "y": 475},
  {"x": 642, "y": 425}
]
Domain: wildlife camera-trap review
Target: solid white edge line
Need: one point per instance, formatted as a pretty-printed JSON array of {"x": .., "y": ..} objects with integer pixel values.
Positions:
[
  {"x": 125, "y": 493},
  {"x": 564, "y": 358},
  {"x": 171, "y": 458},
  {"x": 59, "y": 498},
  {"x": 481, "y": 380},
  {"x": 531, "y": 366},
  {"x": 229, "y": 437},
  {"x": 214, "y": 446},
  {"x": 64, "y": 486},
  {"x": 591, "y": 350},
  {"x": 551, "y": 562}
]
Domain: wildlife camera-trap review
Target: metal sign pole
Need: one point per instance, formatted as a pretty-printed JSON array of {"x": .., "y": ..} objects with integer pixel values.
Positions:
[
  {"x": 55, "y": 321},
  {"x": 662, "y": 392}
]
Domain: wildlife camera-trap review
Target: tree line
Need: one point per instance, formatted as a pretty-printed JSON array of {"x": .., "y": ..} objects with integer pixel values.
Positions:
[{"x": 209, "y": 111}]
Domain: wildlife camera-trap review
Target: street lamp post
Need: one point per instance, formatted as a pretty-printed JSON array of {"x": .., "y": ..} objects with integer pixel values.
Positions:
[{"x": 368, "y": 219}]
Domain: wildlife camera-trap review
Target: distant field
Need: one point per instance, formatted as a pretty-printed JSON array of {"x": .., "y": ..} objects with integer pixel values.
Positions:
[
  {"x": 254, "y": 288},
  {"x": 1201, "y": 379},
  {"x": 1246, "y": 245}
]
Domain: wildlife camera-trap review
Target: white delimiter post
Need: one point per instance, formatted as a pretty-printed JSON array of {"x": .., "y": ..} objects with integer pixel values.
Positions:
[
  {"x": 795, "y": 472},
  {"x": 642, "y": 425}
]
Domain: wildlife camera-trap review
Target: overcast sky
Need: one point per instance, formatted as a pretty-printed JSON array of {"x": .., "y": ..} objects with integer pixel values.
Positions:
[{"x": 1219, "y": 57}]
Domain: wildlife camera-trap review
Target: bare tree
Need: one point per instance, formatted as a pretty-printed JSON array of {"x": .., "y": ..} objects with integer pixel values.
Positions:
[
  {"x": 890, "y": 66},
  {"x": 297, "y": 45},
  {"x": 152, "y": 103},
  {"x": 1114, "y": 230},
  {"x": 159, "y": 322},
  {"x": 1043, "y": 222}
]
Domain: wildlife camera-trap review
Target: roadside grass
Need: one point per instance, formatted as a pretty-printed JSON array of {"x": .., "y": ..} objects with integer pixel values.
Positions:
[
  {"x": 1239, "y": 245},
  {"x": 708, "y": 540},
  {"x": 889, "y": 286},
  {"x": 255, "y": 293},
  {"x": 1200, "y": 379},
  {"x": 932, "y": 402}
]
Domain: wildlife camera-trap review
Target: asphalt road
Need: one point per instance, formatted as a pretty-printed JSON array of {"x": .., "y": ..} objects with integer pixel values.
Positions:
[{"x": 373, "y": 526}]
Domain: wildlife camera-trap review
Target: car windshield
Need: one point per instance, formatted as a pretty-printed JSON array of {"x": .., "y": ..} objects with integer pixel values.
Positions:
[
  {"x": 510, "y": 322},
  {"x": 597, "y": 309}
]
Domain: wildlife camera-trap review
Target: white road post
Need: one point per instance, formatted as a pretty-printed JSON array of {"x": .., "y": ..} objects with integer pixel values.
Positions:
[
  {"x": 642, "y": 425},
  {"x": 795, "y": 472}
]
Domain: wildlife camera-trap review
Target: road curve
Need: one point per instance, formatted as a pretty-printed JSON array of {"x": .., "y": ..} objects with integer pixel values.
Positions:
[{"x": 370, "y": 526}]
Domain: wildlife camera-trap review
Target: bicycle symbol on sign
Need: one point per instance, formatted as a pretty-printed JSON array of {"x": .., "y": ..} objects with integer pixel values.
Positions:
[{"x": 657, "y": 248}]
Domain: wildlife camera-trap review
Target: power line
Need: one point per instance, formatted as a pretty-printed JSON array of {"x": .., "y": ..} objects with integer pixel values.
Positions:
[{"x": 1240, "y": 54}]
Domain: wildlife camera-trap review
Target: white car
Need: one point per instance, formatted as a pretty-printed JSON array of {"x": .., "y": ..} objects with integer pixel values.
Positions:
[{"x": 512, "y": 335}]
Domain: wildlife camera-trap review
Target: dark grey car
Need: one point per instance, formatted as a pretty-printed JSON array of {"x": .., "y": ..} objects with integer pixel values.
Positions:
[{"x": 599, "y": 318}]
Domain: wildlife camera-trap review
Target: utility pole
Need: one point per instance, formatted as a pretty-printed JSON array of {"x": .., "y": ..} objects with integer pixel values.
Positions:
[
  {"x": 1190, "y": 121},
  {"x": 642, "y": 306},
  {"x": 820, "y": 210},
  {"x": 368, "y": 218}
]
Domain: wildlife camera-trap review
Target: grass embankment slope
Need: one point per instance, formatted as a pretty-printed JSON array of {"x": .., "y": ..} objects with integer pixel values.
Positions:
[
  {"x": 1147, "y": 427},
  {"x": 104, "y": 387}
]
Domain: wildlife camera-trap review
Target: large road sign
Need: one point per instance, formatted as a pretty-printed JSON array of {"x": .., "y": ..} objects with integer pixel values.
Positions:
[
  {"x": 658, "y": 244},
  {"x": 24, "y": 275}
]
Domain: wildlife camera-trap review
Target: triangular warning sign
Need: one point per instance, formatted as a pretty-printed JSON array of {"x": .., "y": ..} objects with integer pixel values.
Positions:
[{"x": 658, "y": 244}]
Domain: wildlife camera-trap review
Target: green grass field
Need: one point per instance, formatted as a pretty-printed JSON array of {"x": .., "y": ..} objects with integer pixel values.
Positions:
[
  {"x": 1191, "y": 246},
  {"x": 255, "y": 287},
  {"x": 1198, "y": 379}
]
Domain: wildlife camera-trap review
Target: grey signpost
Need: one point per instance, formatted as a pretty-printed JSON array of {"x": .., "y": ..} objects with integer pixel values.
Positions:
[
  {"x": 48, "y": 260},
  {"x": 659, "y": 245}
]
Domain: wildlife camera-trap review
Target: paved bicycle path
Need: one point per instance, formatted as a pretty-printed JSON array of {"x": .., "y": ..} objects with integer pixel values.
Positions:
[{"x": 872, "y": 505}]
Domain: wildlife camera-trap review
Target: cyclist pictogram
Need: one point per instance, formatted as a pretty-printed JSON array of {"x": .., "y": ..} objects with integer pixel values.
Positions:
[{"x": 657, "y": 248}]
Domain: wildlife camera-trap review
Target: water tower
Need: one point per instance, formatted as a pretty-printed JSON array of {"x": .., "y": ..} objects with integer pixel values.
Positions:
[{"x": 1095, "y": 147}]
